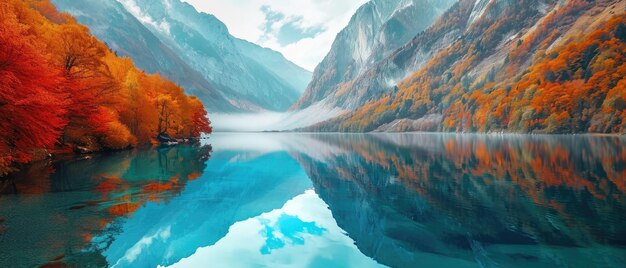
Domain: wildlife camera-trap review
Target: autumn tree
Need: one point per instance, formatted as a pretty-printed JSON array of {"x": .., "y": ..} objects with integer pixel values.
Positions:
[
  {"x": 31, "y": 103},
  {"x": 60, "y": 85}
]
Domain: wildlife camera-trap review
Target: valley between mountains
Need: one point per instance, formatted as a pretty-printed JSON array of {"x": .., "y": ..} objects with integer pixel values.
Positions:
[{"x": 531, "y": 66}]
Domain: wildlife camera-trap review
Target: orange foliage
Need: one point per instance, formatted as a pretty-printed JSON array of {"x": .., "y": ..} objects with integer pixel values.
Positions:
[
  {"x": 577, "y": 87},
  {"x": 156, "y": 187},
  {"x": 60, "y": 85},
  {"x": 117, "y": 136},
  {"x": 193, "y": 176},
  {"x": 574, "y": 88},
  {"x": 108, "y": 184},
  {"x": 123, "y": 209}
]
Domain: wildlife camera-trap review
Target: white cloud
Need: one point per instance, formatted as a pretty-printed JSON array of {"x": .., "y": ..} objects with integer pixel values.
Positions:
[
  {"x": 245, "y": 19},
  {"x": 132, "y": 7}
]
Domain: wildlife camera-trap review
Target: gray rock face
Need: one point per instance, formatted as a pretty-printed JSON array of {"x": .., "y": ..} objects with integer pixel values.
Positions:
[
  {"x": 376, "y": 30},
  {"x": 195, "y": 50}
]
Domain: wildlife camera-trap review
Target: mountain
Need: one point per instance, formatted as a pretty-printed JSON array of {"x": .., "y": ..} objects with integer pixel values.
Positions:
[
  {"x": 175, "y": 34},
  {"x": 378, "y": 28},
  {"x": 294, "y": 75},
  {"x": 541, "y": 66},
  {"x": 109, "y": 21}
]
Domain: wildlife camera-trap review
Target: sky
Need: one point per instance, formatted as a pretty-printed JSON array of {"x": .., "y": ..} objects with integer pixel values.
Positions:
[{"x": 302, "y": 30}]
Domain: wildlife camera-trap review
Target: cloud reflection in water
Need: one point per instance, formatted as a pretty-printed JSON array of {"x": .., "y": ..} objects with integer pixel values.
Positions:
[{"x": 302, "y": 233}]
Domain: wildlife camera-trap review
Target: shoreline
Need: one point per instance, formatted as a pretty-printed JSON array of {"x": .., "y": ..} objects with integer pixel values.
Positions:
[
  {"x": 430, "y": 132},
  {"x": 66, "y": 154}
]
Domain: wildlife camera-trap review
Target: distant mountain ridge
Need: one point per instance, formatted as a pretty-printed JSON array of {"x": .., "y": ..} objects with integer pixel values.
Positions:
[
  {"x": 286, "y": 70},
  {"x": 195, "y": 50}
]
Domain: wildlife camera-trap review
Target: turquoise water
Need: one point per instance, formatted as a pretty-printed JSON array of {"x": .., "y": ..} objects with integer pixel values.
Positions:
[{"x": 326, "y": 200}]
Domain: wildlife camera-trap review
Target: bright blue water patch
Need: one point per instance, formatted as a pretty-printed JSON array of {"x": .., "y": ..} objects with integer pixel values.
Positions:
[{"x": 231, "y": 189}]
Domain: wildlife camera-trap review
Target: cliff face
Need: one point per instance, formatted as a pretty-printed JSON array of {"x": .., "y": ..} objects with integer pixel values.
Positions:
[
  {"x": 195, "y": 50},
  {"x": 376, "y": 30},
  {"x": 497, "y": 65}
]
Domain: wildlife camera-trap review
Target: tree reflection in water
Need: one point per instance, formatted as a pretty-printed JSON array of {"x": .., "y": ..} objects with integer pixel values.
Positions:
[
  {"x": 404, "y": 200},
  {"x": 68, "y": 202},
  {"x": 410, "y": 199}
]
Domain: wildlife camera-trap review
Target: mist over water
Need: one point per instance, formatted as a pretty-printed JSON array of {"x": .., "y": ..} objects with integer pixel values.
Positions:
[
  {"x": 249, "y": 122},
  {"x": 274, "y": 121}
]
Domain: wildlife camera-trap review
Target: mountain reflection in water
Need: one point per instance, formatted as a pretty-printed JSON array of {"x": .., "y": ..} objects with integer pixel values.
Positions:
[{"x": 320, "y": 200}]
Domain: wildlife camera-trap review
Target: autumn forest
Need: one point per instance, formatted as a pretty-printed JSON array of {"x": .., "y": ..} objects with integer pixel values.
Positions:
[
  {"x": 564, "y": 74},
  {"x": 62, "y": 90}
]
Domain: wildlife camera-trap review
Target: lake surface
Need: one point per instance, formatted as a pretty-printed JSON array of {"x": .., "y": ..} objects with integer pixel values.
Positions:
[{"x": 326, "y": 200}]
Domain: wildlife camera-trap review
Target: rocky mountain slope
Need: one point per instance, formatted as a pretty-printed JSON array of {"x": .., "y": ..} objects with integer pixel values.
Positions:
[
  {"x": 376, "y": 30},
  {"x": 194, "y": 49},
  {"x": 495, "y": 65}
]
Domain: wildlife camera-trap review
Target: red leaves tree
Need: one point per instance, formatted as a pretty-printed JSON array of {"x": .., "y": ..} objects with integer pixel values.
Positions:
[
  {"x": 60, "y": 84},
  {"x": 31, "y": 104}
]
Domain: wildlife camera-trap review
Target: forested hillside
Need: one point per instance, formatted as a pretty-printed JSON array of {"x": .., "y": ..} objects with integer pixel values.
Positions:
[
  {"x": 62, "y": 90},
  {"x": 537, "y": 66}
]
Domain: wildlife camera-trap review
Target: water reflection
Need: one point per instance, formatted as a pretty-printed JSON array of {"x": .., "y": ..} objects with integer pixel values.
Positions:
[
  {"x": 51, "y": 212},
  {"x": 488, "y": 200},
  {"x": 302, "y": 233},
  {"x": 235, "y": 186},
  {"x": 322, "y": 200}
]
